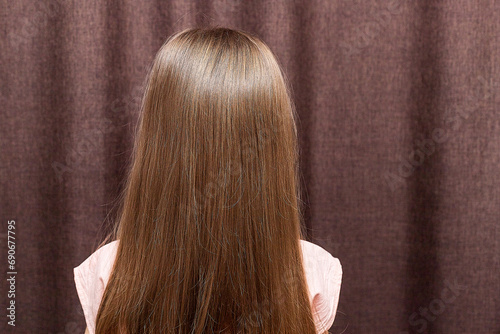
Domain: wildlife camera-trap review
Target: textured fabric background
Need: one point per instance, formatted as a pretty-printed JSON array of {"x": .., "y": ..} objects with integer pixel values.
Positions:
[{"x": 400, "y": 140}]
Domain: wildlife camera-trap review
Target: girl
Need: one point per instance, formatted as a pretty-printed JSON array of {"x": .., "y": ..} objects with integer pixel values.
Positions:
[{"x": 209, "y": 237}]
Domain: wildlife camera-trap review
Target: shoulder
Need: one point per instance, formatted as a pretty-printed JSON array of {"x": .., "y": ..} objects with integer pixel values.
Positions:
[
  {"x": 317, "y": 258},
  {"x": 91, "y": 278},
  {"x": 323, "y": 273},
  {"x": 101, "y": 260}
]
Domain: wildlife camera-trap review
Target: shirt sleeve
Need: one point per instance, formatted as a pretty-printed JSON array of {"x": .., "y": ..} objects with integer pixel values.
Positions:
[
  {"x": 325, "y": 302},
  {"x": 91, "y": 277}
]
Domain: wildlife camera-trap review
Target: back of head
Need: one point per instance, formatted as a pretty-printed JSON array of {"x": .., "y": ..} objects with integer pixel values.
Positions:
[{"x": 209, "y": 225}]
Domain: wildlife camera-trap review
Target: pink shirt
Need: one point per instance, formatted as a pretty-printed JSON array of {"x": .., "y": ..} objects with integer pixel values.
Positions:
[{"x": 323, "y": 275}]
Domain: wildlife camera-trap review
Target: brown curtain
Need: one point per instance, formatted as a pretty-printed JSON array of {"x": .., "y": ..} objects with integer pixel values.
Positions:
[{"x": 400, "y": 141}]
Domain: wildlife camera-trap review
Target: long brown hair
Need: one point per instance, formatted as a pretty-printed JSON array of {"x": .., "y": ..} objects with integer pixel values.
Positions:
[{"x": 210, "y": 220}]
